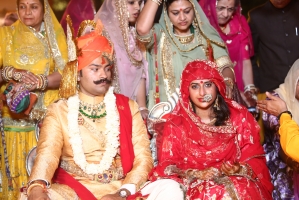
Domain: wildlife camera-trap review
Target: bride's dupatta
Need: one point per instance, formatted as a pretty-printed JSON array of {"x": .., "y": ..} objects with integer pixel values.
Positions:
[{"x": 189, "y": 143}]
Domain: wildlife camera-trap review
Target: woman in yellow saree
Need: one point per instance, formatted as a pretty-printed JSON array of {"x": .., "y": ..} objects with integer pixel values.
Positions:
[{"x": 33, "y": 52}]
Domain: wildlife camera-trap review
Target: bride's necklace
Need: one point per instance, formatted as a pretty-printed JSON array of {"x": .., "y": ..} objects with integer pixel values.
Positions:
[{"x": 185, "y": 39}]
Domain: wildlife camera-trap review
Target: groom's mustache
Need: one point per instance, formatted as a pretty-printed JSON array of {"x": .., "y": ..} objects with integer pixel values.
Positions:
[{"x": 104, "y": 80}]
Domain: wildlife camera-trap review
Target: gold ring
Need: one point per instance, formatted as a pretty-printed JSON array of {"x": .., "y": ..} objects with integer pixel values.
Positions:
[
  {"x": 17, "y": 76},
  {"x": 28, "y": 86}
]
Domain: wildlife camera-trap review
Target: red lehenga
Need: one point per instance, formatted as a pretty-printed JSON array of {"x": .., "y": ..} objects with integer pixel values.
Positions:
[{"x": 187, "y": 143}]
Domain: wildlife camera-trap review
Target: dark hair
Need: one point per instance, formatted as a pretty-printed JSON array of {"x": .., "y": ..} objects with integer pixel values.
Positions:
[
  {"x": 41, "y": 1},
  {"x": 169, "y": 2},
  {"x": 221, "y": 113}
]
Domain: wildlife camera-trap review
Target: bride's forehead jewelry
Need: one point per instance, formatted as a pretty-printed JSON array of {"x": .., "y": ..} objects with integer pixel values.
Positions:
[{"x": 207, "y": 98}]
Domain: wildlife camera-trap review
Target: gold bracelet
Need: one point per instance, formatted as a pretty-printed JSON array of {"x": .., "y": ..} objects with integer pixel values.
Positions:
[
  {"x": 7, "y": 73},
  {"x": 157, "y": 2},
  {"x": 35, "y": 185},
  {"x": 42, "y": 83}
]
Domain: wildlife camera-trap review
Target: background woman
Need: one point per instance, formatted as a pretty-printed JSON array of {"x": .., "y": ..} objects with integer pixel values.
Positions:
[
  {"x": 78, "y": 10},
  {"x": 33, "y": 53},
  {"x": 182, "y": 35},
  {"x": 119, "y": 18},
  {"x": 210, "y": 144},
  {"x": 225, "y": 16},
  {"x": 283, "y": 170}
]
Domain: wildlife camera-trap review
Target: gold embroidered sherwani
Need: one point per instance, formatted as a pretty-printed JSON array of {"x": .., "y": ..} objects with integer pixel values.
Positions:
[{"x": 54, "y": 149}]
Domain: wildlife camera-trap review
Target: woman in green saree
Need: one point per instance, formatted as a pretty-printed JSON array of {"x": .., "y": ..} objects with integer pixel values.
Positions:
[{"x": 183, "y": 34}]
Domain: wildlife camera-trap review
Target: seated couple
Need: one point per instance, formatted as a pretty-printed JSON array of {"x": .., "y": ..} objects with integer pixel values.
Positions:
[{"x": 94, "y": 145}]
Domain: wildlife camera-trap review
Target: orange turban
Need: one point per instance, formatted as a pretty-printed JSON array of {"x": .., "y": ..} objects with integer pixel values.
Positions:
[{"x": 91, "y": 46}]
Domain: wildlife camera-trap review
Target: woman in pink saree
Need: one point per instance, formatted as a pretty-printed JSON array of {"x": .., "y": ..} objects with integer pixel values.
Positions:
[
  {"x": 210, "y": 144},
  {"x": 226, "y": 17},
  {"x": 78, "y": 10},
  {"x": 130, "y": 77}
]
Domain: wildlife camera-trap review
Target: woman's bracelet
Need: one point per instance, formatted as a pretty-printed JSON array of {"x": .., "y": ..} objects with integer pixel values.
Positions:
[
  {"x": 42, "y": 83},
  {"x": 288, "y": 112},
  {"x": 7, "y": 73}
]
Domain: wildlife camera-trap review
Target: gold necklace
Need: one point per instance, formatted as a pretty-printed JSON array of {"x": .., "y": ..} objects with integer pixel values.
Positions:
[{"x": 185, "y": 39}]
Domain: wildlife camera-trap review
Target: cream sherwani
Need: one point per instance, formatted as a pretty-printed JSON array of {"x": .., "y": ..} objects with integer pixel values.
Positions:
[{"x": 54, "y": 148}]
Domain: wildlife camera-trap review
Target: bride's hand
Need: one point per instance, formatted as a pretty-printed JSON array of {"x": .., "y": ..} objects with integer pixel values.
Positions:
[{"x": 229, "y": 168}]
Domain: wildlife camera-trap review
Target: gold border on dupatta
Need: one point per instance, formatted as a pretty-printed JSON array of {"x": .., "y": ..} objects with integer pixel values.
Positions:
[
  {"x": 59, "y": 62},
  {"x": 167, "y": 67}
]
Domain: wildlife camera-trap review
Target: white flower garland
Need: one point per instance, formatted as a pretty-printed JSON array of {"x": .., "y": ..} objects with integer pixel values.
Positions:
[{"x": 112, "y": 134}]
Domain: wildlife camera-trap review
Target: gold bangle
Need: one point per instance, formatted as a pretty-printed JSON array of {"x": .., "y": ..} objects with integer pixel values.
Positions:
[
  {"x": 7, "y": 73},
  {"x": 35, "y": 185},
  {"x": 42, "y": 83}
]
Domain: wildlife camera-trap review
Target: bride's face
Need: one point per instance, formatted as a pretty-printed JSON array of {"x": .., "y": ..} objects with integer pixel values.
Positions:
[
  {"x": 203, "y": 93},
  {"x": 181, "y": 15},
  {"x": 133, "y": 10}
]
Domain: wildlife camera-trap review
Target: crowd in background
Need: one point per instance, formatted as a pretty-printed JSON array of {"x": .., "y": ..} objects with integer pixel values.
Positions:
[{"x": 156, "y": 47}]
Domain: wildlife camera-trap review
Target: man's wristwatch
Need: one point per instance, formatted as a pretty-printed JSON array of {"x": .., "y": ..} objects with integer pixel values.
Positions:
[{"x": 124, "y": 193}]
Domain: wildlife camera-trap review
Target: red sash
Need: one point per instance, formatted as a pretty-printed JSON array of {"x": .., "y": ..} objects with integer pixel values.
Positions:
[
  {"x": 126, "y": 150},
  {"x": 62, "y": 177},
  {"x": 126, "y": 147}
]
